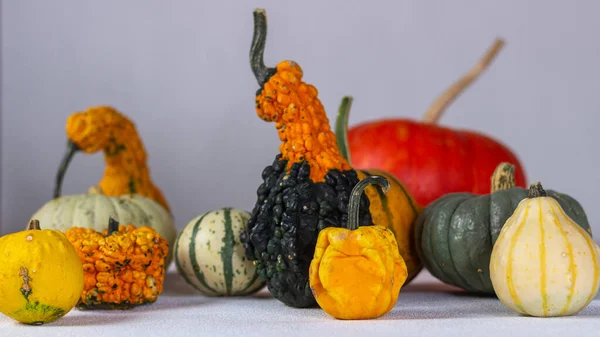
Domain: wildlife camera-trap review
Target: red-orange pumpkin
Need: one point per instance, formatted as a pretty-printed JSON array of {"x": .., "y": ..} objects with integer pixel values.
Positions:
[{"x": 433, "y": 160}]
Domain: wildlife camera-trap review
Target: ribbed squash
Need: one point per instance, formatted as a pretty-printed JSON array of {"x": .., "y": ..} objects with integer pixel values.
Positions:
[
  {"x": 455, "y": 234},
  {"x": 211, "y": 259},
  {"x": 396, "y": 210},
  {"x": 103, "y": 128},
  {"x": 543, "y": 263}
]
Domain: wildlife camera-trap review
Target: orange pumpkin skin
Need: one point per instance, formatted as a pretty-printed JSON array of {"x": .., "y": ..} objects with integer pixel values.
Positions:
[
  {"x": 430, "y": 160},
  {"x": 397, "y": 211}
]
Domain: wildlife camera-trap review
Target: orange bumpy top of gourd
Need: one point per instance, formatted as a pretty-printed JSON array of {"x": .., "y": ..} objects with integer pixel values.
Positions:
[
  {"x": 126, "y": 172},
  {"x": 301, "y": 121},
  {"x": 124, "y": 268}
]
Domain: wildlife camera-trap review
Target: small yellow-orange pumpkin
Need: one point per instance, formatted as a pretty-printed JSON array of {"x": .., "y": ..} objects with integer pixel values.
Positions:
[{"x": 357, "y": 273}]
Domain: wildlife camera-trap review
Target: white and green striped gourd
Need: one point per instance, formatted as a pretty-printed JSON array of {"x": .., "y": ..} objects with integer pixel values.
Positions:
[{"x": 210, "y": 257}]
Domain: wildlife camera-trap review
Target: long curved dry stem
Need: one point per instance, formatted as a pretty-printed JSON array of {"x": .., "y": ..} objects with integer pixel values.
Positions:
[{"x": 435, "y": 111}]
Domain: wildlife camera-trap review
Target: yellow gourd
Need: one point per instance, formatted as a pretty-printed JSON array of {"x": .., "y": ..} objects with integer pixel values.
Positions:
[
  {"x": 357, "y": 273},
  {"x": 543, "y": 264},
  {"x": 41, "y": 277}
]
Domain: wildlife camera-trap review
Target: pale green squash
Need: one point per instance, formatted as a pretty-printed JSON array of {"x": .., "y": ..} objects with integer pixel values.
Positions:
[
  {"x": 94, "y": 210},
  {"x": 211, "y": 259}
]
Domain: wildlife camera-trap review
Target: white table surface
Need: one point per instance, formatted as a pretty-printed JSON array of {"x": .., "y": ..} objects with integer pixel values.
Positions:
[{"x": 426, "y": 307}]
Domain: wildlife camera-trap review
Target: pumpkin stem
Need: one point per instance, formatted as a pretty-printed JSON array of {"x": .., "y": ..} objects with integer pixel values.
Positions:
[
  {"x": 440, "y": 105},
  {"x": 33, "y": 225},
  {"x": 72, "y": 148},
  {"x": 503, "y": 177},
  {"x": 341, "y": 127},
  {"x": 113, "y": 226},
  {"x": 257, "y": 49},
  {"x": 536, "y": 191},
  {"x": 354, "y": 204}
]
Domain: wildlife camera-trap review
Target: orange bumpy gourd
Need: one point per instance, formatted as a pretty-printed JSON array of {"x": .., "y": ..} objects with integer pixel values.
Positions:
[
  {"x": 300, "y": 120},
  {"x": 357, "y": 273},
  {"x": 123, "y": 266},
  {"x": 104, "y": 128}
]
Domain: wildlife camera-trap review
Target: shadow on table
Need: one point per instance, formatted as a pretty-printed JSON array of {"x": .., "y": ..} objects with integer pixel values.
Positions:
[
  {"x": 432, "y": 287},
  {"x": 440, "y": 287},
  {"x": 90, "y": 319},
  {"x": 174, "y": 285}
]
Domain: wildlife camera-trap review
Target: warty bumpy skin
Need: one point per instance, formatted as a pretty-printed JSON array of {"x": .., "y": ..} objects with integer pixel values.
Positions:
[
  {"x": 308, "y": 186},
  {"x": 289, "y": 213}
]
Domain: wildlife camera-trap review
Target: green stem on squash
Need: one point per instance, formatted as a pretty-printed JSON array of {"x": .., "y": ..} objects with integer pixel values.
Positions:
[
  {"x": 72, "y": 148},
  {"x": 354, "y": 203},
  {"x": 257, "y": 49},
  {"x": 536, "y": 191},
  {"x": 341, "y": 127},
  {"x": 440, "y": 105},
  {"x": 34, "y": 224},
  {"x": 503, "y": 177},
  {"x": 113, "y": 226}
]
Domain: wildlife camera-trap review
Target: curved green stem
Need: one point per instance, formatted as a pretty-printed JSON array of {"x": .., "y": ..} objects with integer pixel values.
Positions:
[
  {"x": 536, "y": 190},
  {"x": 113, "y": 226},
  {"x": 33, "y": 224},
  {"x": 356, "y": 194},
  {"x": 72, "y": 148},
  {"x": 341, "y": 127},
  {"x": 257, "y": 49}
]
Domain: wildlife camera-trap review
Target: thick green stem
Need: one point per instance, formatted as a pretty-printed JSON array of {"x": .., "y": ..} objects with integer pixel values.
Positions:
[
  {"x": 113, "y": 226},
  {"x": 341, "y": 128},
  {"x": 536, "y": 190},
  {"x": 257, "y": 49},
  {"x": 62, "y": 168},
  {"x": 33, "y": 224},
  {"x": 356, "y": 195}
]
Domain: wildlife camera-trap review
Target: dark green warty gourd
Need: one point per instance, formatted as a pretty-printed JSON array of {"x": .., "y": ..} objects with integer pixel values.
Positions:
[{"x": 308, "y": 186}]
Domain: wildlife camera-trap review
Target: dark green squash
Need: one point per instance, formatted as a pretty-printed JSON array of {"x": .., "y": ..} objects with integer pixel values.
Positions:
[{"x": 456, "y": 233}]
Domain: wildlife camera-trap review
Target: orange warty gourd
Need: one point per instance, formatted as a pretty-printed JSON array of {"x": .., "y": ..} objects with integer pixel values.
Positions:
[
  {"x": 300, "y": 120},
  {"x": 104, "y": 128},
  {"x": 123, "y": 266}
]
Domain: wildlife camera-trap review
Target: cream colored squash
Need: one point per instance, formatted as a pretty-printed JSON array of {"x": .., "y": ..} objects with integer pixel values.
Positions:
[
  {"x": 543, "y": 264},
  {"x": 94, "y": 210},
  {"x": 209, "y": 256}
]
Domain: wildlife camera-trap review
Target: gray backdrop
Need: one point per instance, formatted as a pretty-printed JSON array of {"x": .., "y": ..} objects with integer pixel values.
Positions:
[{"x": 180, "y": 70}]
